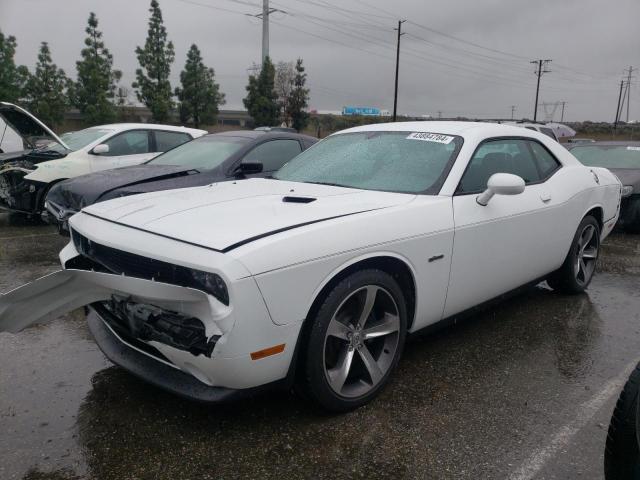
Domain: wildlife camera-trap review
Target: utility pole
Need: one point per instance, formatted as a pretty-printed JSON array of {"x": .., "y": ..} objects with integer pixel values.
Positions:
[
  {"x": 562, "y": 114},
  {"x": 513, "y": 109},
  {"x": 615, "y": 123},
  {"x": 265, "y": 30},
  {"x": 542, "y": 64},
  {"x": 395, "y": 92},
  {"x": 629, "y": 72},
  {"x": 266, "y": 11}
]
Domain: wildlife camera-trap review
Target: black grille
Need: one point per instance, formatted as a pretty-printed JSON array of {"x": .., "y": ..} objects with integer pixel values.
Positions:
[{"x": 120, "y": 262}]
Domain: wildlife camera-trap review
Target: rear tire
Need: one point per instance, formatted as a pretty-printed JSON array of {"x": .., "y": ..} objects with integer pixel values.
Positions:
[
  {"x": 355, "y": 341},
  {"x": 632, "y": 217},
  {"x": 621, "y": 455},
  {"x": 578, "y": 268}
]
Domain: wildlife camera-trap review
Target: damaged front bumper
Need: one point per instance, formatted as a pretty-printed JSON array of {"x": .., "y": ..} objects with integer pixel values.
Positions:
[
  {"x": 175, "y": 328},
  {"x": 57, "y": 214}
]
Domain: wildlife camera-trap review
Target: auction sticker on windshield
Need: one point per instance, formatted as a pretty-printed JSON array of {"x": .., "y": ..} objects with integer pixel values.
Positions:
[{"x": 430, "y": 137}]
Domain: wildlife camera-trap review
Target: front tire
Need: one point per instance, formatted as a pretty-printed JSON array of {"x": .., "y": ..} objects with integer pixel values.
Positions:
[
  {"x": 356, "y": 340},
  {"x": 578, "y": 268},
  {"x": 621, "y": 455}
]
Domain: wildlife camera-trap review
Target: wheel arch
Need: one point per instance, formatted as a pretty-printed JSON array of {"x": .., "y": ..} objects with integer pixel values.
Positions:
[
  {"x": 395, "y": 265},
  {"x": 597, "y": 212}
]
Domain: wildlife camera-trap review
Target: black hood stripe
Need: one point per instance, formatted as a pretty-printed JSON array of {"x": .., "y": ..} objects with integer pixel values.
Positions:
[
  {"x": 152, "y": 233},
  {"x": 291, "y": 227},
  {"x": 238, "y": 244}
]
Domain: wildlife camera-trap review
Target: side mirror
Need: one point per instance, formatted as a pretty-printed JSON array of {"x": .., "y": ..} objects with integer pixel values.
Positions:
[
  {"x": 249, "y": 168},
  {"x": 501, "y": 184},
  {"x": 100, "y": 149}
]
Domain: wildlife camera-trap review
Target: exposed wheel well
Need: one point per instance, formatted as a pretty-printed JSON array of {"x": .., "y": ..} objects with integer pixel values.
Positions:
[
  {"x": 391, "y": 265},
  {"x": 42, "y": 195}
]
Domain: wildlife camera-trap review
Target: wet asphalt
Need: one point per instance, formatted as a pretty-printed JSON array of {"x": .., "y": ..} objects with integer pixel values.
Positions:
[{"x": 522, "y": 390}]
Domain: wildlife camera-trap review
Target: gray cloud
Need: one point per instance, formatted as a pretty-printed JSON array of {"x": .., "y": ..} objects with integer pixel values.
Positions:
[{"x": 350, "y": 58}]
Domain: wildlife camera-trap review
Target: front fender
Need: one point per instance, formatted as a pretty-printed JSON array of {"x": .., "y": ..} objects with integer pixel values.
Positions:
[{"x": 67, "y": 167}]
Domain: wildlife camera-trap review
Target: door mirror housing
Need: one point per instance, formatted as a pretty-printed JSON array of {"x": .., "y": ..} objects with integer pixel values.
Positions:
[
  {"x": 249, "y": 168},
  {"x": 100, "y": 149},
  {"x": 501, "y": 184}
]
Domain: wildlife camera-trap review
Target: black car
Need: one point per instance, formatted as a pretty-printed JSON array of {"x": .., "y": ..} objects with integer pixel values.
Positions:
[
  {"x": 212, "y": 158},
  {"x": 623, "y": 159}
]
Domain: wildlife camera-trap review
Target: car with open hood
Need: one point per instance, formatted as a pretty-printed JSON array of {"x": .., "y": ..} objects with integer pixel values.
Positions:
[
  {"x": 623, "y": 159},
  {"x": 315, "y": 277},
  {"x": 27, "y": 175},
  {"x": 208, "y": 159}
]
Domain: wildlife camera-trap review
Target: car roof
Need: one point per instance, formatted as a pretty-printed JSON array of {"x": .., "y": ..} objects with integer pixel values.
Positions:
[
  {"x": 608, "y": 143},
  {"x": 255, "y": 134},
  {"x": 448, "y": 127},
  {"x": 149, "y": 126}
]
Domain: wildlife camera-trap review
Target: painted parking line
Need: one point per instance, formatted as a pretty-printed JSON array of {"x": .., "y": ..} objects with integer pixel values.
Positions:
[
  {"x": 29, "y": 236},
  {"x": 584, "y": 413}
]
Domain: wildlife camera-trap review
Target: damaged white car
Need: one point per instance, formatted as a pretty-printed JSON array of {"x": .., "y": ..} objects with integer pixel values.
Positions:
[
  {"x": 26, "y": 175},
  {"x": 316, "y": 277}
]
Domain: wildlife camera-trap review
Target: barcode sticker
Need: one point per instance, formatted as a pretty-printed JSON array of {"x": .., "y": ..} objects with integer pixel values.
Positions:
[{"x": 430, "y": 137}]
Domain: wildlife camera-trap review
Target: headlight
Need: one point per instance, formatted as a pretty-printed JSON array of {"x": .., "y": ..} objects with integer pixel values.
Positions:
[
  {"x": 211, "y": 283},
  {"x": 627, "y": 190}
]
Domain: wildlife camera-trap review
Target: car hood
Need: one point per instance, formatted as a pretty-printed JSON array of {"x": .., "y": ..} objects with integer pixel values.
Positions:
[
  {"x": 26, "y": 125},
  {"x": 79, "y": 192},
  {"x": 628, "y": 176},
  {"x": 227, "y": 215}
]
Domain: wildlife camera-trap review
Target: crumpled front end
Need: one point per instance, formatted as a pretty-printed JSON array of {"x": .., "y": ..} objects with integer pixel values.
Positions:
[
  {"x": 182, "y": 331},
  {"x": 17, "y": 194}
]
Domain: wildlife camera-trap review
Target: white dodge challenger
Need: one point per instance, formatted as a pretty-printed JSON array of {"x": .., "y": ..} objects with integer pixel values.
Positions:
[{"x": 315, "y": 278}]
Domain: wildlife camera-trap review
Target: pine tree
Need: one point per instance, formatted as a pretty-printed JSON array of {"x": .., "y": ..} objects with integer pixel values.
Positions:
[
  {"x": 299, "y": 99},
  {"x": 94, "y": 91},
  {"x": 262, "y": 100},
  {"x": 152, "y": 79},
  {"x": 46, "y": 89},
  {"x": 200, "y": 95},
  {"x": 12, "y": 77}
]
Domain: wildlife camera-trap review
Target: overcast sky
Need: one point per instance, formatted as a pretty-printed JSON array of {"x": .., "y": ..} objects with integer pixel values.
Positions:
[{"x": 459, "y": 57}]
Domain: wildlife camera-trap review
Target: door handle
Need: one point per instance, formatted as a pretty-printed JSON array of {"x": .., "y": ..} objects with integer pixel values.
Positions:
[{"x": 545, "y": 197}]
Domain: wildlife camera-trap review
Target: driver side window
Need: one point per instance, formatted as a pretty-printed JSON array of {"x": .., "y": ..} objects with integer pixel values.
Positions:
[
  {"x": 499, "y": 156},
  {"x": 132, "y": 142}
]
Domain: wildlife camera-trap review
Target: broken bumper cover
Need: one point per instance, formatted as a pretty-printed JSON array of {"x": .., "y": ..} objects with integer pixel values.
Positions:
[
  {"x": 158, "y": 373},
  {"x": 219, "y": 355}
]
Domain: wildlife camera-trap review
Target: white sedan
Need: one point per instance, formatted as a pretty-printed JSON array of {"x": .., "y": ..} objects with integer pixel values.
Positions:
[
  {"x": 316, "y": 277},
  {"x": 45, "y": 159}
]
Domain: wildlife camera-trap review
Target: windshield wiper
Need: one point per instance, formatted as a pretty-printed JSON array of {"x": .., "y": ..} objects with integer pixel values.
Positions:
[{"x": 327, "y": 183}]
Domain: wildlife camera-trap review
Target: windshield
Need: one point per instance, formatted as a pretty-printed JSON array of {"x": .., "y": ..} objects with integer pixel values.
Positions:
[
  {"x": 203, "y": 153},
  {"x": 609, "y": 156},
  {"x": 388, "y": 161},
  {"x": 77, "y": 140}
]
